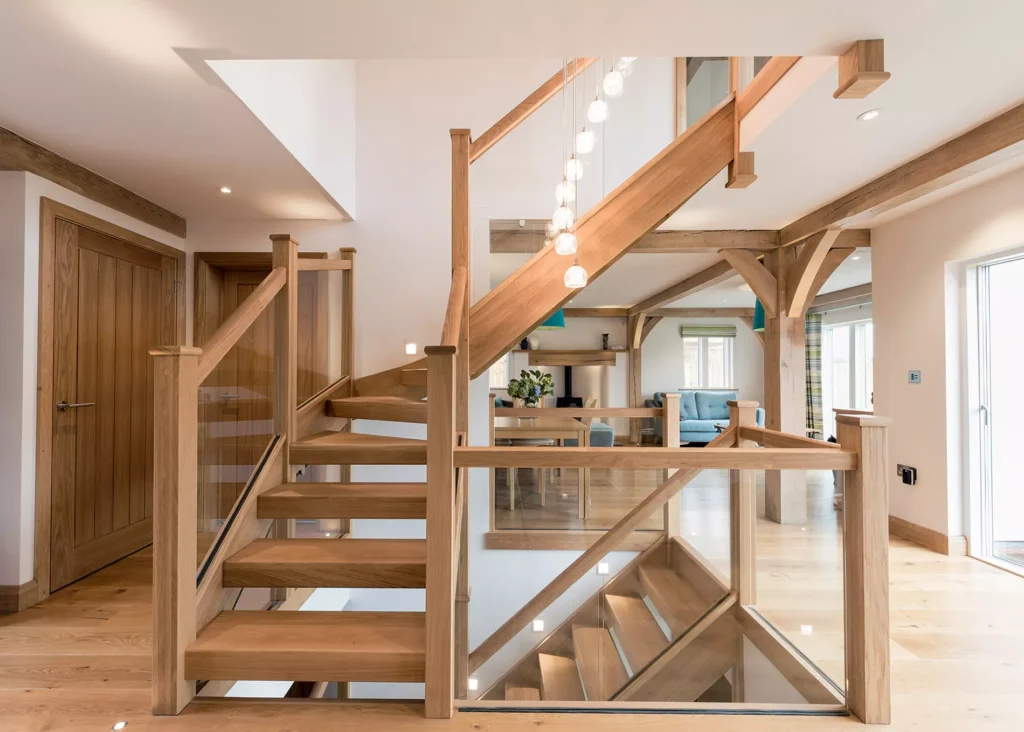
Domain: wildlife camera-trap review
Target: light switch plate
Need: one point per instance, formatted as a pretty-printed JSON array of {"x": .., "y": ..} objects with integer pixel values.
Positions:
[{"x": 914, "y": 377}]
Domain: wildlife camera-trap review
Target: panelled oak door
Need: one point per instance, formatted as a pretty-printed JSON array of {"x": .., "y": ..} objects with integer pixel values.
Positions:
[{"x": 113, "y": 301}]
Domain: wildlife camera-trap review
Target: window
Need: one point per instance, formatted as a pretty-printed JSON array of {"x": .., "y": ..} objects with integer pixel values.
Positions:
[
  {"x": 707, "y": 356},
  {"x": 499, "y": 372},
  {"x": 847, "y": 369}
]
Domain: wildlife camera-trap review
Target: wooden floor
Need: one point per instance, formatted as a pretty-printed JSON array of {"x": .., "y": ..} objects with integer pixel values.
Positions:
[{"x": 80, "y": 660}]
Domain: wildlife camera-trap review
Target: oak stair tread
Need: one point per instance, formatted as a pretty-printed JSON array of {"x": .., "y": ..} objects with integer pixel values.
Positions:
[
  {"x": 675, "y": 599},
  {"x": 387, "y": 408},
  {"x": 329, "y": 563},
  {"x": 414, "y": 377},
  {"x": 600, "y": 667},
  {"x": 312, "y": 646},
  {"x": 636, "y": 629},
  {"x": 559, "y": 678},
  {"x": 345, "y": 500},
  {"x": 521, "y": 693},
  {"x": 353, "y": 448}
]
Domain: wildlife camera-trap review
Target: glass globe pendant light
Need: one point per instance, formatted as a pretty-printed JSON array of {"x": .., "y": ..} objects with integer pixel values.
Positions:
[
  {"x": 612, "y": 83},
  {"x": 573, "y": 169},
  {"x": 597, "y": 112},
  {"x": 562, "y": 218},
  {"x": 565, "y": 192},
  {"x": 565, "y": 243},
  {"x": 585, "y": 141},
  {"x": 575, "y": 277},
  {"x": 551, "y": 230},
  {"x": 625, "y": 65}
]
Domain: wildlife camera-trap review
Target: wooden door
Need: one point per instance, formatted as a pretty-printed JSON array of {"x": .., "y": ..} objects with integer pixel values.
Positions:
[{"x": 113, "y": 301}]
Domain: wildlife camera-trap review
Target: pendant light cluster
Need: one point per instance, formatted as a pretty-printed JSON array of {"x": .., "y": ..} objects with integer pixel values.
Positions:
[{"x": 561, "y": 228}]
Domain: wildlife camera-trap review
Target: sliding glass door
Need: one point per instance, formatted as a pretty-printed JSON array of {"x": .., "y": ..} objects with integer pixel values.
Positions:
[{"x": 1001, "y": 355}]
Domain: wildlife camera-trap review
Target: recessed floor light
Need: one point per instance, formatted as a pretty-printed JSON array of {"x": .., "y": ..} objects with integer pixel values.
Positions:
[
  {"x": 538, "y": 626},
  {"x": 225, "y": 189},
  {"x": 473, "y": 684},
  {"x": 855, "y": 258},
  {"x": 869, "y": 115}
]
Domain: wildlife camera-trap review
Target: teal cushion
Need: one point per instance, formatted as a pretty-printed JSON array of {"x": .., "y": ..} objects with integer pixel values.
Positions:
[
  {"x": 497, "y": 401},
  {"x": 687, "y": 405},
  {"x": 712, "y": 404}
]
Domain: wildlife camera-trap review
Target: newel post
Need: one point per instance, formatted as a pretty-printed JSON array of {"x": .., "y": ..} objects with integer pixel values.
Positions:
[
  {"x": 866, "y": 548},
  {"x": 670, "y": 430},
  {"x": 440, "y": 615},
  {"x": 175, "y": 483},
  {"x": 743, "y": 511}
]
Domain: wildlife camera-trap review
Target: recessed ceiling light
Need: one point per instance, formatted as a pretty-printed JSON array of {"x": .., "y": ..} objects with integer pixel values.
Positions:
[
  {"x": 869, "y": 115},
  {"x": 225, "y": 189},
  {"x": 119, "y": 725}
]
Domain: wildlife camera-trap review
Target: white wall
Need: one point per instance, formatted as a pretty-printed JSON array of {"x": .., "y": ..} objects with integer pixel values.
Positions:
[
  {"x": 918, "y": 304},
  {"x": 20, "y": 297},
  {"x": 663, "y": 358}
]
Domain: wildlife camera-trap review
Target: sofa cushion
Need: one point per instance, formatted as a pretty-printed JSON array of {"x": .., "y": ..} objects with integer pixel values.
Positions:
[
  {"x": 688, "y": 405},
  {"x": 699, "y": 425},
  {"x": 712, "y": 404}
]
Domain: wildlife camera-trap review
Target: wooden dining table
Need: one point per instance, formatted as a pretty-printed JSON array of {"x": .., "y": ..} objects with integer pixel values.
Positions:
[{"x": 557, "y": 429}]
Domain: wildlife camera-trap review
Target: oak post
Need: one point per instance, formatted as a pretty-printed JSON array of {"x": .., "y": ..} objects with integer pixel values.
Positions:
[
  {"x": 440, "y": 606},
  {"x": 743, "y": 512},
  {"x": 348, "y": 320},
  {"x": 866, "y": 549},
  {"x": 461, "y": 257},
  {"x": 670, "y": 429},
  {"x": 175, "y": 482}
]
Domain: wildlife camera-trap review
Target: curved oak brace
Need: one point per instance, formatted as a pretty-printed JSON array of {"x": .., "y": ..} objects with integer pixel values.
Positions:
[{"x": 761, "y": 281}]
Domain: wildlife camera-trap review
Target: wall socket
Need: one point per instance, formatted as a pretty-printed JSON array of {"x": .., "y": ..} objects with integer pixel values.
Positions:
[
  {"x": 914, "y": 377},
  {"x": 907, "y": 474}
]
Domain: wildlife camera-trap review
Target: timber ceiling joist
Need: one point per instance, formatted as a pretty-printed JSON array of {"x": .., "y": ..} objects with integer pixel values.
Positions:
[
  {"x": 526, "y": 236},
  {"x": 18, "y": 153}
]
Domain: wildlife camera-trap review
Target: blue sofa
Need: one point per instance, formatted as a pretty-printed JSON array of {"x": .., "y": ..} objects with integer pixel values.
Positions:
[{"x": 699, "y": 411}]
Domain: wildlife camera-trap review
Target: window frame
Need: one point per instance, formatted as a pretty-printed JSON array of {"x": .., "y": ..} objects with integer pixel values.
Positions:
[{"x": 703, "y": 360}]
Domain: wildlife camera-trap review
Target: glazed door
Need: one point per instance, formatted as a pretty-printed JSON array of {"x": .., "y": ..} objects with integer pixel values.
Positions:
[{"x": 113, "y": 301}]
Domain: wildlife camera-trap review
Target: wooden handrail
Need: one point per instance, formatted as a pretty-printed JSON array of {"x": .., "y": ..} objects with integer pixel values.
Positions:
[
  {"x": 527, "y": 107},
  {"x": 322, "y": 265},
  {"x": 581, "y": 412},
  {"x": 588, "y": 559},
  {"x": 774, "y": 438},
  {"x": 453, "y": 315},
  {"x": 240, "y": 321},
  {"x": 710, "y": 457}
]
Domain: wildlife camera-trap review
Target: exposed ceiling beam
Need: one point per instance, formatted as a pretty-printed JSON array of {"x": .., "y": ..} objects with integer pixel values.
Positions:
[
  {"x": 527, "y": 107},
  {"x": 850, "y": 297},
  {"x": 983, "y": 147},
  {"x": 802, "y": 277},
  {"x": 755, "y": 274},
  {"x": 508, "y": 237},
  {"x": 718, "y": 272},
  {"x": 18, "y": 153},
  {"x": 596, "y": 312},
  {"x": 614, "y": 312}
]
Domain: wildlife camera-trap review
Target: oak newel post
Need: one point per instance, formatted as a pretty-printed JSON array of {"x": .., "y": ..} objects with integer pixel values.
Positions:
[
  {"x": 670, "y": 430},
  {"x": 866, "y": 546},
  {"x": 175, "y": 478},
  {"x": 440, "y": 610},
  {"x": 743, "y": 511}
]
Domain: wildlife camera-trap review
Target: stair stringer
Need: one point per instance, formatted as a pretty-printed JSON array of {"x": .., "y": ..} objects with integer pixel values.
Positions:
[
  {"x": 604, "y": 234},
  {"x": 525, "y": 672}
]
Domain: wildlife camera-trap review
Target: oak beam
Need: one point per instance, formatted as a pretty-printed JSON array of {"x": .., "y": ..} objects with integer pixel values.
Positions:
[
  {"x": 18, "y": 153},
  {"x": 527, "y": 107},
  {"x": 799, "y": 289},
  {"x": 861, "y": 70},
  {"x": 508, "y": 237},
  {"x": 595, "y": 312},
  {"x": 714, "y": 274},
  {"x": 850, "y": 297},
  {"x": 761, "y": 281},
  {"x": 983, "y": 147}
]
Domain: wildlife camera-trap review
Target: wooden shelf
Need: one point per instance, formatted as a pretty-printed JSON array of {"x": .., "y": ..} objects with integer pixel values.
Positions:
[{"x": 572, "y": 358}]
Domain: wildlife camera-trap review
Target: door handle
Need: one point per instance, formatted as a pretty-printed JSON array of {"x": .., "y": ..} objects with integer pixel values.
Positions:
[
  {"x": 984, "y": 411},
  {"x": 63, "y": 406}
]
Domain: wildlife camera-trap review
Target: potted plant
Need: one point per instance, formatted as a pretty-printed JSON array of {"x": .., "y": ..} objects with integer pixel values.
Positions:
[{"x": 531, "y": 387}]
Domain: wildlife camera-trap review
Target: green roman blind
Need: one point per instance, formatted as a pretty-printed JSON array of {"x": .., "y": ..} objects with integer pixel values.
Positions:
[{"x": 707, "y": 331}]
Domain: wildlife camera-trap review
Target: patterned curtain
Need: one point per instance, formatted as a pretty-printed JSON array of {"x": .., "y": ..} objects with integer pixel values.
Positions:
[{"x": 812, "y": 332}]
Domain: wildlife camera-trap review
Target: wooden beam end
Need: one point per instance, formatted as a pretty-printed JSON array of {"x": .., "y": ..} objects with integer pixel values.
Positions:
[
  {"x": 741, "y": 171},
  {"x": 861, "y": 70}
]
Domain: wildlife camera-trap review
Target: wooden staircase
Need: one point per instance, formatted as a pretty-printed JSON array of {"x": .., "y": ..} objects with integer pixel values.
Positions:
[
  {"x": 603, "y": 647},
  {"x": 328, "y": 646}
]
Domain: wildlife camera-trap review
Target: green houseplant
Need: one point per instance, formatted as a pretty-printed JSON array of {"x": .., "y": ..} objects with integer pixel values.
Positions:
[{"x": 531, "y": 387}]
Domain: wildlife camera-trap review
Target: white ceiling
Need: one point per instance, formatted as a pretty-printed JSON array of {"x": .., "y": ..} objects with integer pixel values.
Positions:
[{"x": 121, "y": 86}]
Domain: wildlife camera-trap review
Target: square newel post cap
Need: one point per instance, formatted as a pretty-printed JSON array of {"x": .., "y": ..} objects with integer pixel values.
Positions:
[
  {"x": 459, "y": 132},
  {"x": 283, "y": 237},
  {"x": 864, "y": 420}
]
